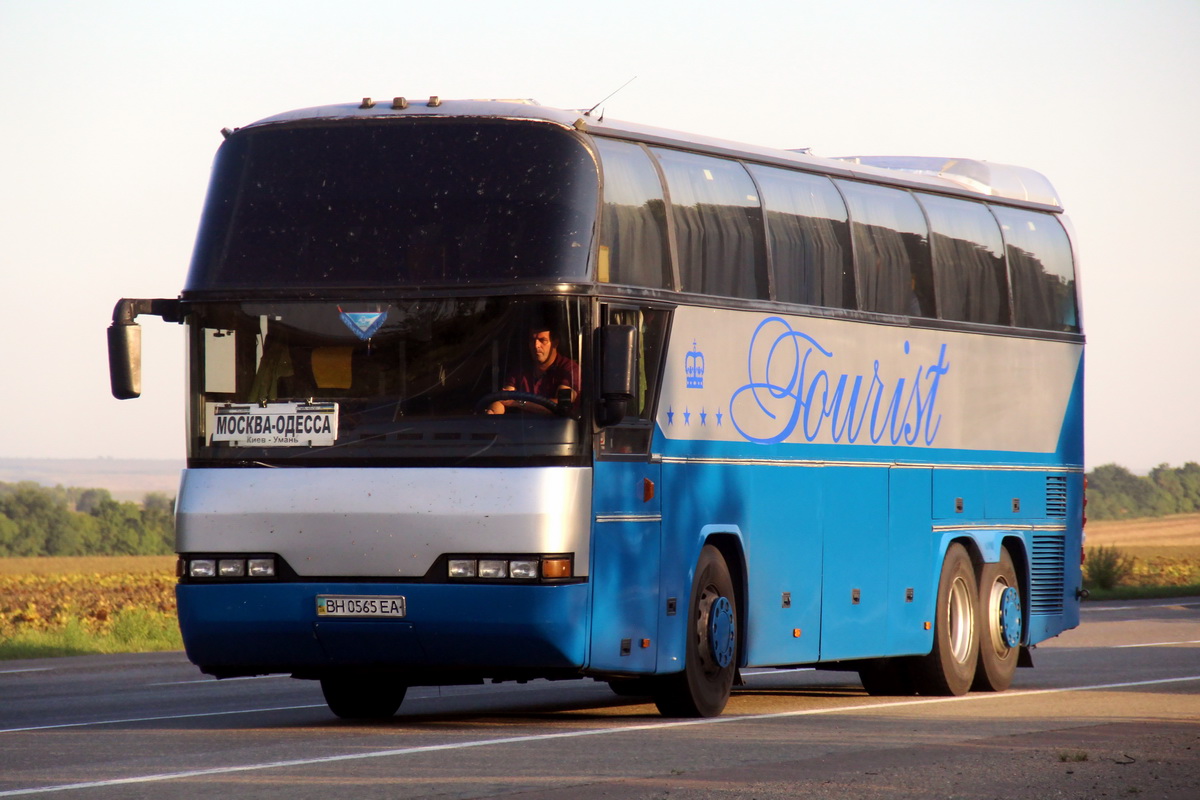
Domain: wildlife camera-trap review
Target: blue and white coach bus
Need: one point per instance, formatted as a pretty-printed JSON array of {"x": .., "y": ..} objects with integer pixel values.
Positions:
[{"x": 825, "y": 411}]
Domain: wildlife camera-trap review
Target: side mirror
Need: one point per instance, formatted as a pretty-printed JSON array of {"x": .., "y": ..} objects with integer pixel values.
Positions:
[
  {"x": 617, "y": 349},
  {"x": 125, "y": 360},
  {"x": 125, "y": 342}
]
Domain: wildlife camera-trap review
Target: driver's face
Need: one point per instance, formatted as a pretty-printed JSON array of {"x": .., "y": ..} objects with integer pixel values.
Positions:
[{"x": 542, "y": 348}]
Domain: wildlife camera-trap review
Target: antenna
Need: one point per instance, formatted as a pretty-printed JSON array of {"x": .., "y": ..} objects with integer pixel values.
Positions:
[{"x": 588, "y": 113}]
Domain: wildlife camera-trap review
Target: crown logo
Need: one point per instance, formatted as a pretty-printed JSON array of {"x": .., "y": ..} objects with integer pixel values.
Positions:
[{"x": 693, "y": 367}]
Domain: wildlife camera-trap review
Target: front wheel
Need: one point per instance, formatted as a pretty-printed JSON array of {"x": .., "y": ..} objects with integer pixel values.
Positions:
[
  {"x": 703, "y": 688},
  {"x": 950, "y": 668},
  {"x": 365, "y": 697},
  {"x": 1002, "y": 628}
]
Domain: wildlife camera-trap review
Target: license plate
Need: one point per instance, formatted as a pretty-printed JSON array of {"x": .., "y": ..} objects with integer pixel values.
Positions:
[{"x": 337, "y": 605}]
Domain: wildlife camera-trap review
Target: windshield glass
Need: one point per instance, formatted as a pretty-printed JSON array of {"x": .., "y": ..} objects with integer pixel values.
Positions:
[
  {"x": 396, "y": 203},
  {"x": 388, "y": 383}
]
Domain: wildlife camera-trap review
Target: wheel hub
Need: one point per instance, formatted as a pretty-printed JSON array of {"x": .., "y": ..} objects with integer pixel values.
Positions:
[
  {"x": 1010, "y": 617},
  {"x": 721, "y": 632}
]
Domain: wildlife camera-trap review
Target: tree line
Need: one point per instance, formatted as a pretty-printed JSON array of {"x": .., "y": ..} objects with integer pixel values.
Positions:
[
  {"x": 67, "y": 521},
  {"x": 1116, "y": 493}
]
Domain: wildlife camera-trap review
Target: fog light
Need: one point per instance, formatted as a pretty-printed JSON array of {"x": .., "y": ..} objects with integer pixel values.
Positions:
[
  {"x": 261, "y": 567},
  {"x": 231, "y": 567},
  {"x": 522, "y": 569},
  {"x": 556, "y": 567},
  {"x": 462, "y": 568},
  {"x": 490, "y": 568},
  {"x": 202, "y": 568}
]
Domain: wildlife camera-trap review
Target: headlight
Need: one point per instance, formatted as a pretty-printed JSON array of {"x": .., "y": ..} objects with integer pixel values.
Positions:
[
  {"x": 228, "y": 567},
  {"x": 202, "y": 568},
  {"x": 523, "y": 568},
  {"x": 493, "y": 568},
  {"x": 514, "y": 568}
]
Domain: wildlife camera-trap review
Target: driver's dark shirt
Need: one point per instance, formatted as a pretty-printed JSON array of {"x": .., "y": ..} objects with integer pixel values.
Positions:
[{"x": 561, "y": 372}]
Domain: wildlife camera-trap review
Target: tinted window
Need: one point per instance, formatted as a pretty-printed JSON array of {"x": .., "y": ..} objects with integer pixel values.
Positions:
[
  {"x": 1040, "y": 268},
  {"x": 891, "y": 250},
  {"x": 718, "y": 225},
  {"x": 633, "y": 230},
  {"x": 406, "y": 380},
  {"x": 633, "y": 434},
  {"x": 968, "y": 260},
  {"x": 347, "y": 205},
  {"x": 808, "y": 236}
]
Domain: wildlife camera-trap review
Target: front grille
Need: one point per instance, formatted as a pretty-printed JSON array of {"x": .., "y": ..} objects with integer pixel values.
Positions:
[{"x": 1049, "y": 561}]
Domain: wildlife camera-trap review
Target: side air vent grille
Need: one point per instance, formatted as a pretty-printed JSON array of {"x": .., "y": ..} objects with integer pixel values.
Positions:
[
  {"x": 1056, "y": 496},
  {"x": 1049, "y": 560}
]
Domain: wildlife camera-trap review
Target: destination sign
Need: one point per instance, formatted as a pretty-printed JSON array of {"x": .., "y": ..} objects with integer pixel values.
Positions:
[{"x": 274, "y": 424}]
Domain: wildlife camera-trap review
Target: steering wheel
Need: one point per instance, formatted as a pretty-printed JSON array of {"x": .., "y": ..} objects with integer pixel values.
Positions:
[{"x": 548, "y": 403}]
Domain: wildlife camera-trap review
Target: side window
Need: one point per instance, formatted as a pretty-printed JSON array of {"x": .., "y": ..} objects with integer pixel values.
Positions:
[
  {"x": 633, "y": 434},
  {"x": 891, "y": 250},
  {"x": 968, "y": 260},
  {"x": 808, "y": 236},
  {"x": 1040, "y": 268},
  {"x": 718, "y": 225},
  {"x": 633, "y": 227}
]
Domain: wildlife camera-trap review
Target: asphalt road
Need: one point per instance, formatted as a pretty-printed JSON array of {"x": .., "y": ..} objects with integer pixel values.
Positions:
[{"x": 1112, "y": 709}]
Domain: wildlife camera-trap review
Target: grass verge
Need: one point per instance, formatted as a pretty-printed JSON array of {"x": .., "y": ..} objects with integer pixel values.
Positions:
[{"x": 131, "y": 631}]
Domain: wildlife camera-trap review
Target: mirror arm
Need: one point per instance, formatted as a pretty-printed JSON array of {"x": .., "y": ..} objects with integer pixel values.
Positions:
[{"x": 127, "y": 310}]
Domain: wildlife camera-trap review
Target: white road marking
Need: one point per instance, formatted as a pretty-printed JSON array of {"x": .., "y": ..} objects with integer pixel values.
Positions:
[
  {"x": 26, "y": 669},
  {"x": 656, "y": 726},
  {"x": 1153, "y": 644},
  {"x": 154, "y": 719},
  {"x": 220, "y": 680},
  {"x": 1139, "y": 608}
]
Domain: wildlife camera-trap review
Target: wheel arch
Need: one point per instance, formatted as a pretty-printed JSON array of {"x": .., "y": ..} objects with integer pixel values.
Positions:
[
  {"x": 974, "y": 549},
  {"x": 728, "y": 542},
  {"x": 1018, "y": 551}
]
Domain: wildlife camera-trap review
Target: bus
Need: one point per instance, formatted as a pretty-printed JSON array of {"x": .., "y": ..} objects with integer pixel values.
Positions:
[{"x": 491, "y": 391}]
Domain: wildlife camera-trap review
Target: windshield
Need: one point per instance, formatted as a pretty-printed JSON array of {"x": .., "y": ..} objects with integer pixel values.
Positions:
[
  {"x": 388, "y": 383},
  {"x": 426, "y": 202}
]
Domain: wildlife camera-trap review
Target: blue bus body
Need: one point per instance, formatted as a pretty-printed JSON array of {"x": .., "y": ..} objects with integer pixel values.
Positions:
[{"x": 796, "y": 478}]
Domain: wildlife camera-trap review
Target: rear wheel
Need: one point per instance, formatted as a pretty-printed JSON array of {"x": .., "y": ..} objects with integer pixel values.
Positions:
[
  {"x": 950, "y": 668},
  {"x": 703, "y": 688},
  {"x": 1001, "y": 625},
  {"x": 362, "y": 696}
]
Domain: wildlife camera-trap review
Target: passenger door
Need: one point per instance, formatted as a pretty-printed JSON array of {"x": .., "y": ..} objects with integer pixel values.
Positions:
[{"x": 627, "y": 516}]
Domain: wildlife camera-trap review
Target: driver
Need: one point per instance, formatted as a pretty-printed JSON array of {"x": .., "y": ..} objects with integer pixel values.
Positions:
[{"x": 545, "y": 373}]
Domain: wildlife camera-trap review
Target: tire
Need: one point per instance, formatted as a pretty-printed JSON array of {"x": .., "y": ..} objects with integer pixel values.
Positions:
[
  {"x": 887, "y": 677},
  {"x": 363, "y": 697},
  {"x": 950, "y": 668},
  {"x": 1001, "y": 625},
  {"x": 711, "y": 659}
]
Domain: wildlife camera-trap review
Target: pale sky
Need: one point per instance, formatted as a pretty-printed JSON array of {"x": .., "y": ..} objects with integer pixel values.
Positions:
[{"x": 111, "y": 113}]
